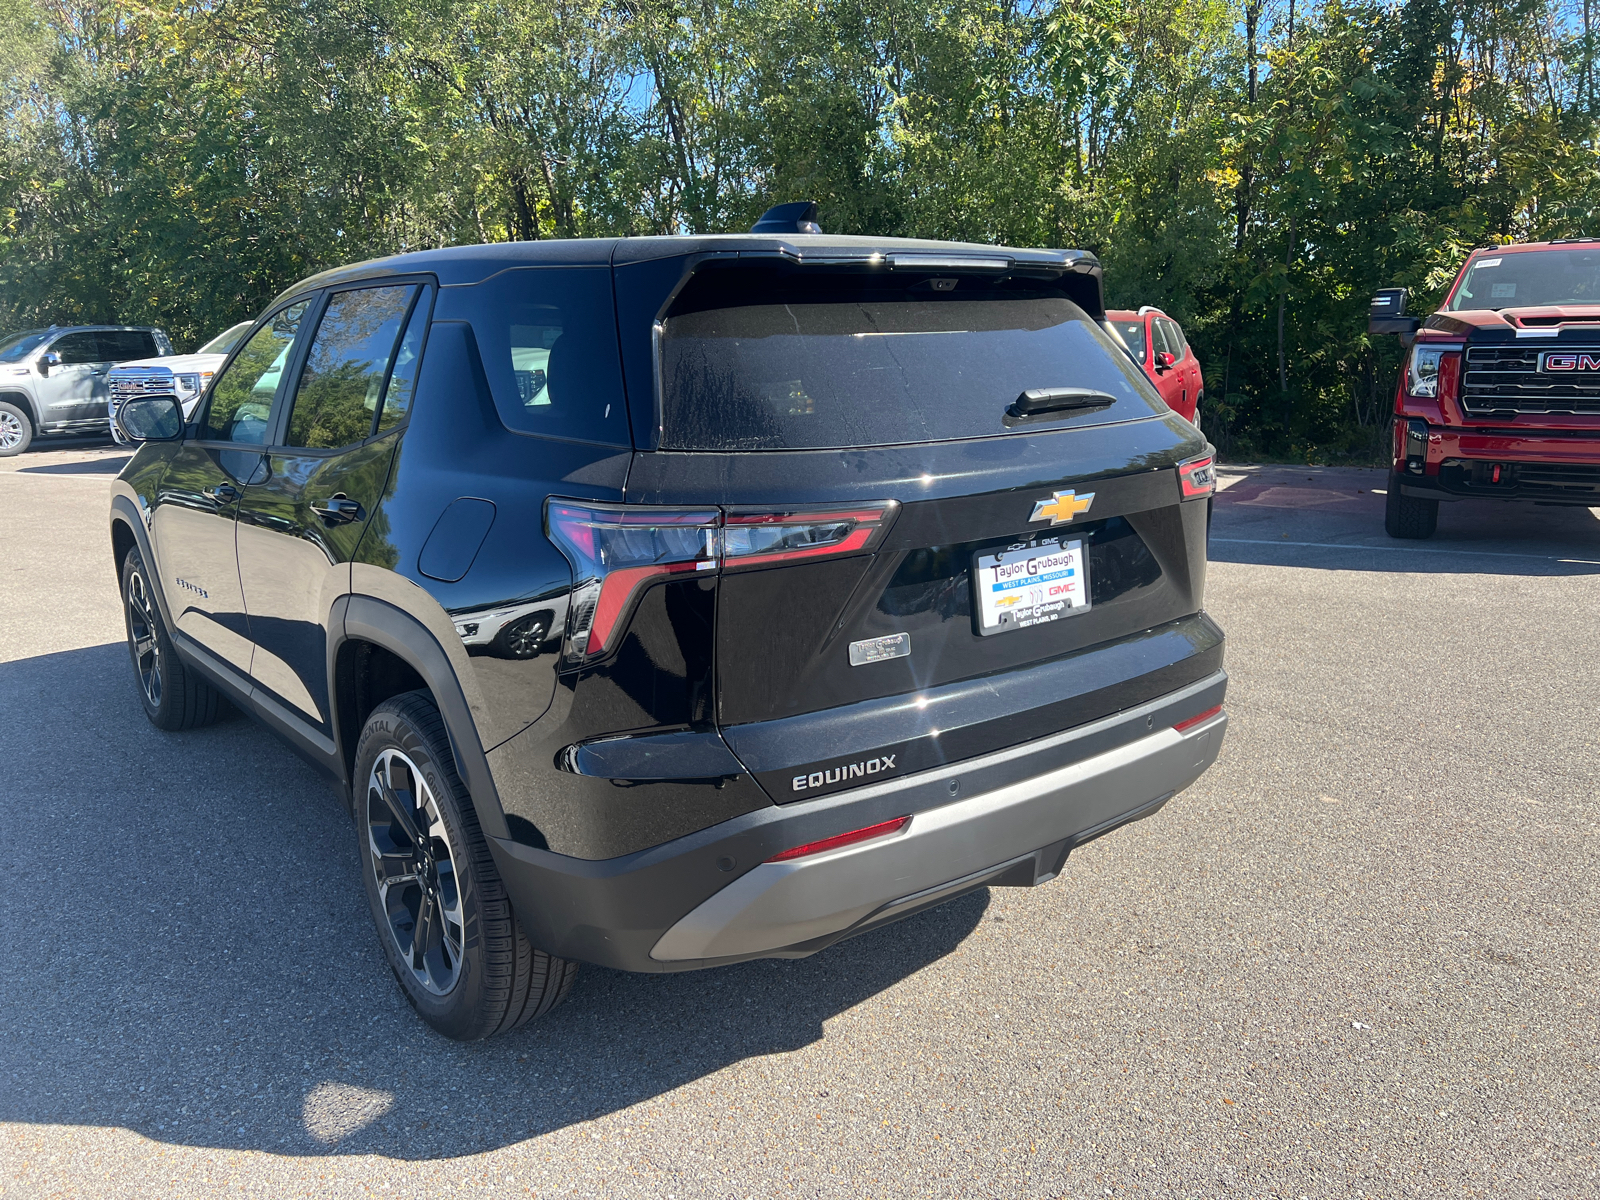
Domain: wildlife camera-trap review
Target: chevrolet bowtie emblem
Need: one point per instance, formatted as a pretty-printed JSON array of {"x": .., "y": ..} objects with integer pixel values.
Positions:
[{"x": 1062, "y": 507}]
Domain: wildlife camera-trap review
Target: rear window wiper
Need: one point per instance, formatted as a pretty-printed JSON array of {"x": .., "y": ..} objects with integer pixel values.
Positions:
[{"x": 1061, "y": 399}]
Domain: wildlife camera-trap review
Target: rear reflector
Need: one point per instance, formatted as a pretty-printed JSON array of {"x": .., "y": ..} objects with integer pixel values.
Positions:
[
  {"x": 882, "y": 829},
  {"x": 1193, "y": 721},
  {"x": 1197, "y": 477}
]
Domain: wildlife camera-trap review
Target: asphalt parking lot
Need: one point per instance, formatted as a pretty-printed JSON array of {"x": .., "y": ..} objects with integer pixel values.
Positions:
[{"x": 1357, "y": 959}]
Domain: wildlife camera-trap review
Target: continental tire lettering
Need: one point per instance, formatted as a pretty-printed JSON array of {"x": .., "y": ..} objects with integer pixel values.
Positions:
[{"x": 832, "y": 775}]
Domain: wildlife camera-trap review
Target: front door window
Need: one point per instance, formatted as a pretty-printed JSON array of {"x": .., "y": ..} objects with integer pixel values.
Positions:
[{"x": 241, "y": 397}]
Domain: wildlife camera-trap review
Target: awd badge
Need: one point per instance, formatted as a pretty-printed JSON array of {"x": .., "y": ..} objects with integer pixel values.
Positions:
[{"x": 1061, "y": 507}]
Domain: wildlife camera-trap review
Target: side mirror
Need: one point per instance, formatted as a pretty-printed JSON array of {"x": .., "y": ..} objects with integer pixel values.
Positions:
[
  {"x": 150, "y": 419},
  {"x": 1164, "y": 360},
  {"x": 48, "y": 360},
  {"x": 1388, "y": 314}
]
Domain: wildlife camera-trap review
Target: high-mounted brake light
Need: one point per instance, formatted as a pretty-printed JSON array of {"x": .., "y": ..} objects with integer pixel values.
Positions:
[
  {"x": 1197, "y": 477},
  {"x": 882, "y": 829},
  {"x": 619, "y": 550},
  {"x": 1195, "y": 720}
]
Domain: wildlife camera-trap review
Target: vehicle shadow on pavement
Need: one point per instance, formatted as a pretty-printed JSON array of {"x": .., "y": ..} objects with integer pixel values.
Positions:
[
  {"x": 1332, "y": 519},
  {"x": 191, "y": 958},
  {"x": 95, "y": 466}
]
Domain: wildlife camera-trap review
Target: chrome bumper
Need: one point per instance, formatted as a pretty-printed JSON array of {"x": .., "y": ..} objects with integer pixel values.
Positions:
[{"x": 784, "y": 906}]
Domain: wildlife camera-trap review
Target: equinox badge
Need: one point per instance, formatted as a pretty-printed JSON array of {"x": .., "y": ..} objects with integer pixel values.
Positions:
[{"x": 1061, "y": 507}]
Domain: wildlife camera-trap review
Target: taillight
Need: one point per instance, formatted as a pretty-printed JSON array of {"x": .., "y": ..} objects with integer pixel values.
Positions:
[
  {"x": 882, "y": 829},
  {"x": 618, "y": 550},
  {"x": 752, "y": 538},
  {"x": 1197, "y": 477}
]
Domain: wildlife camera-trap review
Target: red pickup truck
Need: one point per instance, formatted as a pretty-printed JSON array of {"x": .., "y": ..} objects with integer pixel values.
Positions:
[{"x": 1500, "y": 396}]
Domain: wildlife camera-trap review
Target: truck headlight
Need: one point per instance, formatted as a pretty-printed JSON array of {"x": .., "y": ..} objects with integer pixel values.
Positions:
[
  {"x": 187, "y": 385},
  {"x": 1422, "y": 376}
]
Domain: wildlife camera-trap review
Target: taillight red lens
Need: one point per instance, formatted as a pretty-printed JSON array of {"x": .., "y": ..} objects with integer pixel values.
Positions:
[
  {"x": 882, "y": 829},
  {"x": 1195, "y": 720},
  {"x": 758, "y": 538},
  {"x": 616, "y": 551},
  {"x": 1197, "y": 477}
]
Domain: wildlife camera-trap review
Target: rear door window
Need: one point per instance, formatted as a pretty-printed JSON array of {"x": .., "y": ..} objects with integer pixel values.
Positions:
[
  {"x": 341, "y": 387},
  {"x": 875, "y": 372},
  {"x": 121, "y": 345},
  {"x": 548, "y": 337}
]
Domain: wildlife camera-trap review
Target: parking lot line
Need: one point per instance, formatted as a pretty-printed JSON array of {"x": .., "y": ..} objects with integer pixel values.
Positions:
[{"x": 1407, "y": 549}]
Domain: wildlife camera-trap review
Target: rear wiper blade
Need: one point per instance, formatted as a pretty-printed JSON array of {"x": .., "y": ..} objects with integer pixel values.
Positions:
[{"x": 1061, "y": 399}]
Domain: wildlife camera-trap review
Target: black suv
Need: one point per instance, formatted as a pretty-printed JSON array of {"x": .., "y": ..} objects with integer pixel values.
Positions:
[{"x": 669, "y": 602}]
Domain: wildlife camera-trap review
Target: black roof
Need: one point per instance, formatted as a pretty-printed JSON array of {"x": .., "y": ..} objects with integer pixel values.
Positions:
[{"x": 460, "y": 265}]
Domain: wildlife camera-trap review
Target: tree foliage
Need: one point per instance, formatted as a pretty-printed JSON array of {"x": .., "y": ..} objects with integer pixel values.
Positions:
[{"x": 1255, "y": 170}]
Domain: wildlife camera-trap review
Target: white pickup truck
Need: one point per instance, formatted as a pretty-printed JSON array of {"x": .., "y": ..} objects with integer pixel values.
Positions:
[{"x": 182, "y": 375}]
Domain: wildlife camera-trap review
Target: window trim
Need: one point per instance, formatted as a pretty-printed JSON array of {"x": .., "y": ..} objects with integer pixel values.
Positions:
[{"x": 283, "y": 402}]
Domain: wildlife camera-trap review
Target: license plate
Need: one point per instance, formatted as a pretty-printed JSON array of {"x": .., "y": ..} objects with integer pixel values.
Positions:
[{"x": 1030, "y": 585}]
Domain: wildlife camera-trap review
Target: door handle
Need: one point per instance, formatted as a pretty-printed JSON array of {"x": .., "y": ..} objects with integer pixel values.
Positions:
[
  {"x": 339, "y": 509},
  {"x": 223, "y": 493}
]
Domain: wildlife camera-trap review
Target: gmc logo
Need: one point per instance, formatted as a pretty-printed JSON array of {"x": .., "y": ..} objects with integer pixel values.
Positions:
[{"x": 1569, "y": 362}]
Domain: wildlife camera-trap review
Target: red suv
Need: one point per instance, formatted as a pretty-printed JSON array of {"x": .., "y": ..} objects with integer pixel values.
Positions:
[
  {"x": 1500, "y": 396},
  {"x": 1158, "y": 345}
]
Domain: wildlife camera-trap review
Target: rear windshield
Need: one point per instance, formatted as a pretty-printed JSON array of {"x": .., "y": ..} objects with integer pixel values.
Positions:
[
  {"x": 867, "y": 372},
  {"x": 1530, "y": 278}
]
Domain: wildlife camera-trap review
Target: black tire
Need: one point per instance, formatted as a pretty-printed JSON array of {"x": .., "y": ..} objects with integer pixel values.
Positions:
[
  {"x": 481, "y": 976},
  {"x": 174, "y": 697},
  {"x": 16, "y": 429},
  {"x": 1406, "y": 516}
]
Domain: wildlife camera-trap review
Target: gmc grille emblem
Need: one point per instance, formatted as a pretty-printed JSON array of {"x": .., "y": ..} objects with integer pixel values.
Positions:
[
  {"x": 856, "y": 770},
  {"x": 1569, "y": 361}
]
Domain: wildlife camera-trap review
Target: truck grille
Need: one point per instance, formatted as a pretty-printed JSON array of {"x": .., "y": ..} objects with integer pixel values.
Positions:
[
  {"x": 1507, "y": 379},
  {"x": 151, "y": 383}
]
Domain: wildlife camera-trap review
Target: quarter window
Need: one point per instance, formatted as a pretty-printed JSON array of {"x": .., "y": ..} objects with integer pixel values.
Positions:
[
  {"x": 548, "y": 336},
  {"x": 241, "y": 397},
  {"x": 341, "y": 388}
]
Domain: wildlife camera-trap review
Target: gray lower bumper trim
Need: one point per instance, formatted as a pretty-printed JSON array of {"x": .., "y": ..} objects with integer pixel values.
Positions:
[{"x": 779, "y": 905}]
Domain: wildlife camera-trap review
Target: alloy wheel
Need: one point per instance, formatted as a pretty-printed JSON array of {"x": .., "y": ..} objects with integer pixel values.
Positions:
[
  {"x": 142, "y": 637},
  {"x": 415, "y": 869},
  {"x": 11, "y": 431}
]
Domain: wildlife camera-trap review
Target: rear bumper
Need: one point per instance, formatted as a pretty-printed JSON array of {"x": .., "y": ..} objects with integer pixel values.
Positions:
[{"x": 1008, "y": 818}]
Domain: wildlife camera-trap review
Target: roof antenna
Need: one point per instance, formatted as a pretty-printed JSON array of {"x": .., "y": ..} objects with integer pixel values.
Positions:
[{"x": 798, "y": 217}]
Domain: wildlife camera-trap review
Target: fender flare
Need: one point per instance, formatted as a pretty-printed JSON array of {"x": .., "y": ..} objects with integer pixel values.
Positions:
[
  {"x": 123, "y": 510},
  {"x": 369, "y": 619},
  {"x": 24, "y": 401}
]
